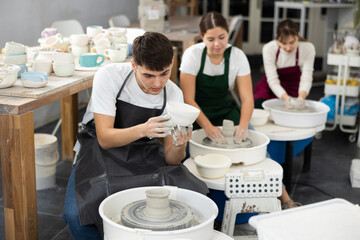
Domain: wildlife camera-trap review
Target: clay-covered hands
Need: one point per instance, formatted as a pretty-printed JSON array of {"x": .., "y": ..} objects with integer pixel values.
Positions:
[
  {"x": 215, "y": 134},
  {"x": 181, "y": 135},
  {"x": 295, "y": 103},
  {"x": 158, "y": 127},
  {"x": 240, "y": 134}
]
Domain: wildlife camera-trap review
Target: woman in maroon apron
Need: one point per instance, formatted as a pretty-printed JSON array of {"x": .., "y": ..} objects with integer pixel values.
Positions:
[{"x": 288, "y": 64}]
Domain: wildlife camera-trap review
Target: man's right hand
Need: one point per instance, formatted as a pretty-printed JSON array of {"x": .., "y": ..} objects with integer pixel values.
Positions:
[{"x": 158, "y": 127}]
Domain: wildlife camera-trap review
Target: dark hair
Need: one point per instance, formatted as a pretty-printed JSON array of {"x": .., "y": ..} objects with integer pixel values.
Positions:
[
  {"x": 152, "y": 50},
  {"x": 287, "y": 28},
  {"x": 212, "y": 20}
]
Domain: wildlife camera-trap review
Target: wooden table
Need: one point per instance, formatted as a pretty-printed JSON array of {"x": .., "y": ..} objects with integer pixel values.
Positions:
[{"x": 17, "y": 145}]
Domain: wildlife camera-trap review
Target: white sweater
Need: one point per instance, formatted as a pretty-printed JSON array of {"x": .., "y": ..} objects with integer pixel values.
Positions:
[{"x": 305, "y": 62}]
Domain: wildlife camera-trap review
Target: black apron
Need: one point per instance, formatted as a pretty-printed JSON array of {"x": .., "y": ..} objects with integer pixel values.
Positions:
[{"x": 101, "y": 172}]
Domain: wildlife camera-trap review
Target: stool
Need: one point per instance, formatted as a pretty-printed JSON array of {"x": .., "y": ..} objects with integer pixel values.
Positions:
[{"x": 251, "y": 191}]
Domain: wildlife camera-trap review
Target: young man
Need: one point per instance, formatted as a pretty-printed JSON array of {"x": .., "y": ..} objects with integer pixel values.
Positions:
[{"x": 123, "y": 150}]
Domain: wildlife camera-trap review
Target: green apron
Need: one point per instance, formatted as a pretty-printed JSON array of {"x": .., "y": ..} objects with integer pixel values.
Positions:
[{"x": 213, "y": 96}]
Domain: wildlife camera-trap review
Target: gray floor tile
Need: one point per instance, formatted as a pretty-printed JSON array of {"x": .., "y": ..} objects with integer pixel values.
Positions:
[{"x": 49, "y": 226}]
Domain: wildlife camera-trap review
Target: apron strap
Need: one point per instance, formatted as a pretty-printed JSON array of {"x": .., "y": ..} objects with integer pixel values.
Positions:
[
  {"x": 124, "y": 83},
  {"x": 296, "y": 59},
  {"x": 203, "y": 57},
  {"x": 227, "y": 62}
]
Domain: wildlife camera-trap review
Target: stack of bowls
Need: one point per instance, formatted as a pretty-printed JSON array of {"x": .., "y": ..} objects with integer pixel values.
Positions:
[
  {"x": 64, "y": 65},
  {"x": 79, "y": 44},
  {"x": 15, "y": 54},
  {"x": 119, "y": 48}
]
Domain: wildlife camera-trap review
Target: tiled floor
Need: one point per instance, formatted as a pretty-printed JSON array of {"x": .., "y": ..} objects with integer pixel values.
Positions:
[{"x": 328, "y": 177}]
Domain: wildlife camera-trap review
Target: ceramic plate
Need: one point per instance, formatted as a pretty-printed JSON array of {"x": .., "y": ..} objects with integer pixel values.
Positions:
[{"x": 80, "y": 68}]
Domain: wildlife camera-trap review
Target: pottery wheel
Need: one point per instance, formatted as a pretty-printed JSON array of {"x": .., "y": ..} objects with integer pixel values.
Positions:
[
  {"x": 246, "y": 143},
  {"x": 181, "y": 217}
]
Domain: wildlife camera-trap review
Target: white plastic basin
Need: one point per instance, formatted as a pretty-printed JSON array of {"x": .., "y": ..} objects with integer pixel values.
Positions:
[{"x": 297, "y": 119}]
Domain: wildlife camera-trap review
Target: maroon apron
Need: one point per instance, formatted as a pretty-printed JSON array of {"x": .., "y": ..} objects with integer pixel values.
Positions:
[{"x": 289, "y": 79}]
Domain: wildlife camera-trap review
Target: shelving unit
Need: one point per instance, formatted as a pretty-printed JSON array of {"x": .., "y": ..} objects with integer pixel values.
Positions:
[{"x": 347, "y": 123}]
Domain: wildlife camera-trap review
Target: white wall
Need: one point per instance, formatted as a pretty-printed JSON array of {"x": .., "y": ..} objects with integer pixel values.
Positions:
[{"x": 23, "y": 20}]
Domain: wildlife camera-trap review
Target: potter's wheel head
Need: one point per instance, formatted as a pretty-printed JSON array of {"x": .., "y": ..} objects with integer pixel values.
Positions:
[
  {"x": 133, "y": 215},
  {"x": 246, "y": 143}
]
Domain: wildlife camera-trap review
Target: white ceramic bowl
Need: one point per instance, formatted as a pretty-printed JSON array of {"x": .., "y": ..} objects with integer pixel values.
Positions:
[
  {"x": 212, "y": 165},
  {"x": 8, "y": 75},
  {"x": 181, "y": 113},
  {"x": 259, "y": 117},
  {"x": 19, "y": 58},
  {"x": 64, "y": 69}
]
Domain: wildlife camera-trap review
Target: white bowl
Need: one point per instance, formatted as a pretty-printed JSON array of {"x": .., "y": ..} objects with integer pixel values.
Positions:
[
  {"x": 181, "y": 113},
  {"x": 297, "y": 119},
  {"x": 17, "y": 59},
  {"x": 259, "y": 117},
  {"x": 212, "y": 165},
  {"x": 8, "y": 75},
  {"x": 64, "y": 69}
]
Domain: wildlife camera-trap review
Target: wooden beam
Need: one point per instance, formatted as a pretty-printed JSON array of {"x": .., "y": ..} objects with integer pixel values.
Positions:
[
  {"x": 18, "y": 176},
  {"x": 69, "y": 126}
]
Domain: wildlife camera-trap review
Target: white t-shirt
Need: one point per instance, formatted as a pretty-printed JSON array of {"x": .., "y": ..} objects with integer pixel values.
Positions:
[
  {"x": 305, "y": 62},
  {"x": 106, "y": 85},
  {"x": 191, "y": 62}
]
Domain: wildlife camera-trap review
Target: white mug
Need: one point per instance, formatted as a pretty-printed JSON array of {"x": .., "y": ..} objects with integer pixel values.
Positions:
[
  {"x": 92, "y": 31},
  {"x": 116, "y": 32},
  {"x": 64, "y": 69},
  {"x": 44, "y": 55},
  {"x": 64, "y": 57},
  {"x": 98, "y": 49},
  {"x": 101, "y": 40},
  {"x": 116, "y": 55},
  {"x": 76, "y": 50},
  {"x": 121, "y": 39},
  {"x": 14, "y": 48},
  {"x": 42, "y": 65},
  {"x": 80, "y": 40},
  {"x": 50, "y": 42}
]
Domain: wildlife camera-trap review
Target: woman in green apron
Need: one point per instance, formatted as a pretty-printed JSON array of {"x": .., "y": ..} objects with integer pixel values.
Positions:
[{"x": 208, "y": 71}]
